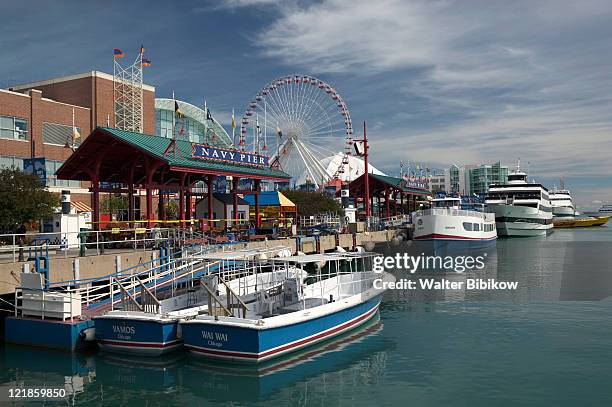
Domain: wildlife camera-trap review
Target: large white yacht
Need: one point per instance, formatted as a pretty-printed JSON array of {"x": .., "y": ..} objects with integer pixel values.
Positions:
[
  {"x": 562, "y": 203},
  {"x": 447, "y": 222},
  {"x": 605, "y": 210},
  {"x": 520, "y": 208}
]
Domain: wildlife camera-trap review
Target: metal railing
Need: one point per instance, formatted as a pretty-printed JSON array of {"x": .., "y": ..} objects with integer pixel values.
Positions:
[
  {"x": 148, "y": 302},
  {"x": 127, "y": 286},
  {"x": 395, "y": 221},
  {"x": 46, "y": 297},
  {"x": 215, "y": 303},
  {"x": 14, "y": 247},
  {"x": 327, "y": 219}
]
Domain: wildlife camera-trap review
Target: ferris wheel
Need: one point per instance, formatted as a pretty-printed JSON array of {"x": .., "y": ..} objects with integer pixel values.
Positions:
[{"x": 300, "y": 121}]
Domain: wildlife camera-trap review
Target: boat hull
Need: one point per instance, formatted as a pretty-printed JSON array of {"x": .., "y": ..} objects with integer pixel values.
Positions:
[
  {"x": 137, "y": 336},
  {"x": 563, "y": 211},
  {"x": 255, "y": 344},
  {"x": 581, "y": 223},
  {"x": 521, "y": 221},
  {"x": 447, "y": 227}
]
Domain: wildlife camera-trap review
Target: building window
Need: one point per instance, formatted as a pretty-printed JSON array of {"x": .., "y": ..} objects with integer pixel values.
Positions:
[
  {"x": 59, "y": 134},
  {"x": 187, "y": 128},
  {"x": 8, "y": 162},
  {"x": 52, "y": 181},
  {"x": 13, "y": 128}
]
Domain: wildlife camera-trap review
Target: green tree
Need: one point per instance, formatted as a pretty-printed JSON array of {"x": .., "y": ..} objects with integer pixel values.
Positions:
[
  {"x": 23, "y": 199},
  {"x": 114, "y": 204},
  {"x": 172, "y": 210},
  {"x": 312, "y": 203}
]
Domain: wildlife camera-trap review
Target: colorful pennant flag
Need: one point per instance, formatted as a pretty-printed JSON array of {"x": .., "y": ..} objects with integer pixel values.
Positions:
[{"x": 177, "y": 109}]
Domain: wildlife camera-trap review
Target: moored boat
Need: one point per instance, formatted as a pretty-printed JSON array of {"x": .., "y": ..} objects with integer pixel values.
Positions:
[
  {"x": 580, "y": 222},
  {"x": 447, "y": 223},
  {"x": 605, "y": 210},
  {"x": 147, "y": 324},
  {"x": 520, "y": 208},
  {"x": 562, "y": 204},
  {"x": 302, "y": 311}
]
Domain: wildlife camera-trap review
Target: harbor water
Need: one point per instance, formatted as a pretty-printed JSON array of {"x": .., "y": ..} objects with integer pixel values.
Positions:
[{"x": 545, "y": 343}]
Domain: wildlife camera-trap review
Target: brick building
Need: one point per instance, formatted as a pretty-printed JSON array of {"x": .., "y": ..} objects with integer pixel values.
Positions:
[{"x": 36, "y": 121}]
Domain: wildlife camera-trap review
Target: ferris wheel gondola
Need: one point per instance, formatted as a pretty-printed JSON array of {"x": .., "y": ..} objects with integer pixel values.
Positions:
[{"x": 302, "y": 121}]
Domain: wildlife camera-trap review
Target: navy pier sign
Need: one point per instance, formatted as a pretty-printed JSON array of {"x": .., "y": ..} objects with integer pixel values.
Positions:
[
  {"x": 235, "y": 156},
  {"x": 414, "y": 184}
]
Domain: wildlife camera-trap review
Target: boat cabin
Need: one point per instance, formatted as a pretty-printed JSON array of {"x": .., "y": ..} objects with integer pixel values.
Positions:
[
  {"x": 453, "y": 203},
  {"x": 517, "y": 177}
]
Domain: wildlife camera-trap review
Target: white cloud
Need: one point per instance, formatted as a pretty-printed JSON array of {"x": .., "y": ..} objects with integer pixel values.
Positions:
[
  {"x": 246, "y": 3},
  {"x": 501, "y": 79}
]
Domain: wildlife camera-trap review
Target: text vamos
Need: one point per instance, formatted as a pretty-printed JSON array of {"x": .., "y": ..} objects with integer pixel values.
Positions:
[
  {"x": 242, "y": 157},
  {"x": 124, "y": 329}
]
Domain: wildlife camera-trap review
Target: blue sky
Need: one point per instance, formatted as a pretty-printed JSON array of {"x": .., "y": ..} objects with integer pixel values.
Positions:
[{"x": 439, "y": 82}]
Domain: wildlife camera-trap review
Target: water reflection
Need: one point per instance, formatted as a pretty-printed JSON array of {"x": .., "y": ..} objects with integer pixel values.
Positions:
[
  {"x": 24, "y": 367},
  {"x": 114, "y": 378},
  {"x": 566, "y": 265}
]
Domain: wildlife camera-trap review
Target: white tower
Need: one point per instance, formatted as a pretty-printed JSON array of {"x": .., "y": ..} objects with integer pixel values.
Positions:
[{"x": 127, "y": 94}]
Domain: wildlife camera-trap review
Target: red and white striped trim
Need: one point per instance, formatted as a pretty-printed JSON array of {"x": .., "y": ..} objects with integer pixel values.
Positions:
[
  {"x": 259, "y": 356},
  {"x": 131, "y": 344},
  {"x": 440, "y": 236}
]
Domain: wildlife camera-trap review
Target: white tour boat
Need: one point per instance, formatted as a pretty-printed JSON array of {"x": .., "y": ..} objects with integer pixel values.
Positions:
[
  {"x": 520, "y": 208},
  {"x": 605, "y": 210},
  {"x": 562, "y": 203},
  {"x": 447, "y": 222}
]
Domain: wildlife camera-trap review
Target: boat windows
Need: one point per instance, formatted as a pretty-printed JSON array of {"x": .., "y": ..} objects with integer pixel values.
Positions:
[
  {"x": 447, "y": 203},
  {"x": 476, "y": 227},
  {"x": 517, "y": 177},
  {"x": 529, "y": 205},
  {"x": 514, "y": 195},
  {"x": 468, "y": 226},
  {"x": 509, "y": 219}
]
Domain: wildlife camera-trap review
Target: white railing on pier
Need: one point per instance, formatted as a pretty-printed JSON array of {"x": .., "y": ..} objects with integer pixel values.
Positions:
[
  {"x": 327, "y": 219},
  {"x": 395, "y": 221},
  {"x": 14, "y": 247}
]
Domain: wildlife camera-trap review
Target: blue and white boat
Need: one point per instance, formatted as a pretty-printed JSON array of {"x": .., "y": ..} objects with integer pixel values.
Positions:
[
  {"x": 147, "y": 322},
  {"x": 318, "y": 297}
]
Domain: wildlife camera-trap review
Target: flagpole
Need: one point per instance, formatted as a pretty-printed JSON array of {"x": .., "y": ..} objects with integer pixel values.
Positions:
[
  {"x": 233, "y": 128},
  {"x": 206, "y": 122},
  {"x": 73, "y": 129},
  {"x": 367, "y": 175},
  {"x": 173, "y": 125},
  {"x": 257, "y": 135}
]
